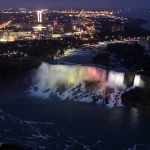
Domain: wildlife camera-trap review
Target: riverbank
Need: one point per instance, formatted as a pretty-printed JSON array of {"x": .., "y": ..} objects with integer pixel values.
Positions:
[
  {"x": 15, "y": 68},
  {"x": 138, "y": 14},
  {"x": 15, "y": 73},
  {"x": 137, "y": 98}
]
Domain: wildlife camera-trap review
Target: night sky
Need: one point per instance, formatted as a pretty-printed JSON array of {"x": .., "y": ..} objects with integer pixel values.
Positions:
[{"x": 76, "y": 3}]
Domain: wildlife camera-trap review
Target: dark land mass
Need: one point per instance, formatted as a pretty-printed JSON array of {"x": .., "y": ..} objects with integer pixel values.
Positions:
[
  {"x": 131, "y": 57},
  {"x": 12, "y": 147},
  {"x": 137, "y": 97}
]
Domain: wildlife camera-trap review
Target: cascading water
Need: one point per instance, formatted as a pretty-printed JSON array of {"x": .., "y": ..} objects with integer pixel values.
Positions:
[
  {"x": 80, "y": 83},
  {"x": 137, "y": 80},
  {"x": 82, "y": 72},
  {"x": 116, "y": 78}
]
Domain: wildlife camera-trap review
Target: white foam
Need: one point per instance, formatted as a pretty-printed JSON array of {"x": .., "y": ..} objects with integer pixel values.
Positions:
[{"x": 137, "y": 80}]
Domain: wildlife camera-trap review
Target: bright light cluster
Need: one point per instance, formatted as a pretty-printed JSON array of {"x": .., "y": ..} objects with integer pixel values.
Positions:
[{"x": 39, "y": 16}]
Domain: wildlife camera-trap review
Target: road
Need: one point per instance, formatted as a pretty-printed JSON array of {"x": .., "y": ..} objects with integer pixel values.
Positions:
[{"x": 5, "y": 24}]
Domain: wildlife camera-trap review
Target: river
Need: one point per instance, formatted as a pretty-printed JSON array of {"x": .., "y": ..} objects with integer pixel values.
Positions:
[
  {"x": 54, "y": 123},
  {"x": 138, "y": 15}
]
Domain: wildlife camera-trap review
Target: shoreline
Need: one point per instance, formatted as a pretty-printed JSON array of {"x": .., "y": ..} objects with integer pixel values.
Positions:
[{"x": 141, "y": 15}]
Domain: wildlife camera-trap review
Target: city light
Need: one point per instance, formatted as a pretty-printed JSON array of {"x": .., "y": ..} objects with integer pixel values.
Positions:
[{"x": 39, "y": 16}]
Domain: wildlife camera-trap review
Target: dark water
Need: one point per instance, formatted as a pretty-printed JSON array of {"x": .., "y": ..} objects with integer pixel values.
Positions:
[
  {"x": 67, "y": 125},
  {"x": 138, "y": 15}
]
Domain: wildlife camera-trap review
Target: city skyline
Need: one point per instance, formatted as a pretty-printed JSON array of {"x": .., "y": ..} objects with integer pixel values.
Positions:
[{"x": 76, "y": 4}]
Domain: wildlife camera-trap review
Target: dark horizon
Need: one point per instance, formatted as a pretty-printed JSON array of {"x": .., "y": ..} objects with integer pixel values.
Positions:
[
  {"x": 78, "y": 4},
  {"x": 79, "y": 8}
]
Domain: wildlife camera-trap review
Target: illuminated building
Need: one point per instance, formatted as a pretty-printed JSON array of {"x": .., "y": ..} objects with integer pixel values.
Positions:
[
  {"x": 68, "y": 29},
  {"x": 39, "y": 16},
  {"x": 12, "y": 36},
  {"x": 58, "y": 29},
  {"x": 55, "y": 23},
  {"x": 39, "y": 28},
  {"x": 80, "y": 22},
  {"x": 115, "y": 28},
  {"x": 85, "y": 36}
]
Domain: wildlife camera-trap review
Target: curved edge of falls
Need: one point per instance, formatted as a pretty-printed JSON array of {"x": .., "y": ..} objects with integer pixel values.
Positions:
[{"x": 82, "y": 83}]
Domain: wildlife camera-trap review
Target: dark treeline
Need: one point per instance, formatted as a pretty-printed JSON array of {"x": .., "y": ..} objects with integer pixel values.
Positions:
[
  {"x": 138, "y": 97},
  {"x": 125, "y": 50},
  {"x": 103, "y": 59},
  {"x": 12, "y": 65},
  {"x": 12, "y": 69},
  {"x": 45, "y": 48},
  {"x": 106, "y": 33},
  {"x": 128, "y": 56},
  {"x": 36, "y": 48}
]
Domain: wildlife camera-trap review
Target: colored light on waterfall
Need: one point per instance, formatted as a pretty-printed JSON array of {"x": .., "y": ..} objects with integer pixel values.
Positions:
[
  {"x": 71, "y": 80},
  {"x": 70, "y": 74}
]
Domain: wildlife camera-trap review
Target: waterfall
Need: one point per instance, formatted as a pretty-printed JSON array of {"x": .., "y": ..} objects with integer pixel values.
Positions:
[
  {"x": 116, "y": 78},
  {"x": 70, "y": 74},
  {"x": 137, "y": 80},
  {"x": 80, "y": 83},
  {"x": 77, "y": 72}
]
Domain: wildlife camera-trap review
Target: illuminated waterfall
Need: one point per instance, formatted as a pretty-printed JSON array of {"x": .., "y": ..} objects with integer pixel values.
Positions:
[
  {"x": 80, "y": 72},
  {"x": 75, "y": 83},
  {"x": 70, "y": 74},
  {"x": 116, "y": 78},
  {"x": 137, "y": 80}
]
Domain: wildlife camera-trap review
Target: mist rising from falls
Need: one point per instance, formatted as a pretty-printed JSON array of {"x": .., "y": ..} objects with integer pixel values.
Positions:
[{"x": 80, "y": 83}]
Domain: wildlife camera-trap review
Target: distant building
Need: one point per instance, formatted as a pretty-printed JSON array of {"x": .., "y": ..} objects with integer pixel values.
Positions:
[
  {"x": 7, "y": 34},
  {"x": 80, "y": 22},
  {"x": 85, "y": 36},
  {"x": 12, "y": 36},
  {"x": 68, "y": 29},
  {"x": 39, "y": 16},
  {"x": 116, "y": 28},
  {"x": 56, "y": 35},
  {"x": 58, "y": 29},
  {"x": 46, "y": 32}
]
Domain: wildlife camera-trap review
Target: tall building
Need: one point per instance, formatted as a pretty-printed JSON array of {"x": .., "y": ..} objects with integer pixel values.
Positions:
[
  {"x": 68, "y": 29},
  {"x": 39, "y": 16}
]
